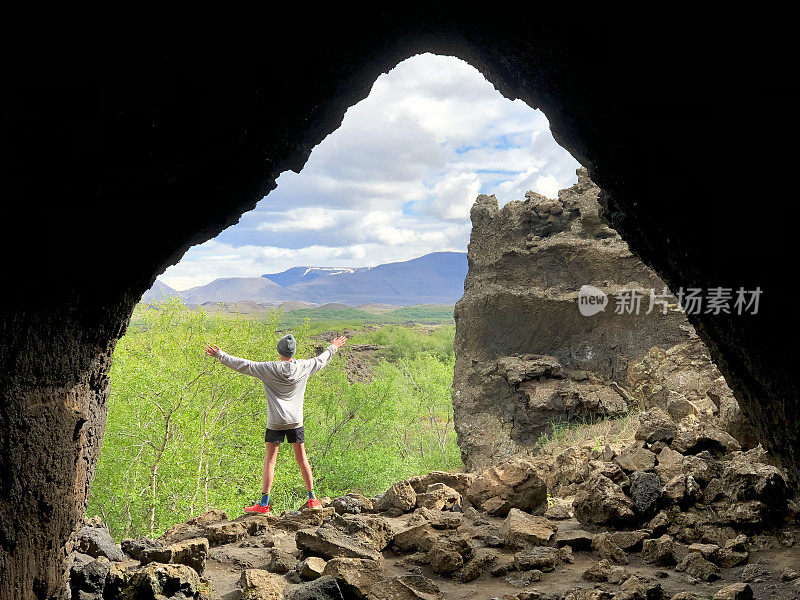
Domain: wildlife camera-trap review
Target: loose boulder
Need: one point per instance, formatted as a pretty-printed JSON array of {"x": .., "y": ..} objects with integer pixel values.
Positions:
[
  {"x": 645, "y": 492},
  {"x": 157, "y": 580},
  {"x": 438, "y": 496},
  {"x": 97, "y": 541},
  {"x": 257, "y": 584},
  {"x": 514, "y": 484},
  {"x": 398, "y": 499},
  {"x": 355, "y": 576},
  {"x": 655, "y": 425},
  {"x": 324, "y": 588},
  {"x": 521, "y": 529},
  {"x": 329, "y": 542},
  {"x": 600, "y": 501}
]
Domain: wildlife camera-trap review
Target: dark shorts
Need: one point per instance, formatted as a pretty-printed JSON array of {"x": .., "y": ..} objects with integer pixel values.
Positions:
[{"x": 293, "y": 436}]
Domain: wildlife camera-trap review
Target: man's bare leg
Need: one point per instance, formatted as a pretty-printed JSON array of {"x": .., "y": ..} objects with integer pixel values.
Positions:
[
  {"x": 302, "y": 462},
  {"x": 270, "y": 458}
]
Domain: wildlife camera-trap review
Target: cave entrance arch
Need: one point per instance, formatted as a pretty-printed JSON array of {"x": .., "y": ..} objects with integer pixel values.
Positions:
[
  {"x": 394, "y": 182},
  {"x": 198, "y": 134}
]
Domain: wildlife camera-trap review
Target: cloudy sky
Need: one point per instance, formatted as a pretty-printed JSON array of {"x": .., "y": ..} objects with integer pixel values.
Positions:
[{"x": 395, "y": 181}]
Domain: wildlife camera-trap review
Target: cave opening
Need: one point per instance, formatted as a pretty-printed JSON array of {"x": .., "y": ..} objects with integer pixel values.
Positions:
[{"x": 392, "y": 186}]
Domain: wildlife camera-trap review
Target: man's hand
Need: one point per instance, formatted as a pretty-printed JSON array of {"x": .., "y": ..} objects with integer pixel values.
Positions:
[
  {"x": 211, "y": 350},
  {"x": 339, "y": 341}
]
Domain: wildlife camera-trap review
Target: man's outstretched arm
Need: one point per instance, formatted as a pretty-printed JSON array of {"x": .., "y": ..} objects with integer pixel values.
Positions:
[
  {"x": 240, "y": 365},
  {"x": 324, "y": 358}
]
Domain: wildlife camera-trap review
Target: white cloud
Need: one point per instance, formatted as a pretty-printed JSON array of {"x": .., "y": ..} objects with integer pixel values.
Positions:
[
  {"x": 298, "y": 219},
  {"x": 395, "y": 181},
  {"x": 454, "y": 195}
]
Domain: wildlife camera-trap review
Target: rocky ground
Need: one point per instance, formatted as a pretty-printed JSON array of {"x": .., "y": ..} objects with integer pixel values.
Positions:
[{"x": 682, "y": 512}]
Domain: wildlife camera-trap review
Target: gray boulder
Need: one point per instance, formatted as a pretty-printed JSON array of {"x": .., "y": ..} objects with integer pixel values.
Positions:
[{"x": 97, "y": 541}]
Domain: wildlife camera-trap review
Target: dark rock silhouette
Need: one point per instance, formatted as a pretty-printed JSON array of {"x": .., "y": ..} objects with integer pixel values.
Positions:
[{"x": 119, "y": 155}]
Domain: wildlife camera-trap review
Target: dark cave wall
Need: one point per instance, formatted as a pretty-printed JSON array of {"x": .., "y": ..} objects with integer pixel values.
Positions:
[{"x": 118, "y": 159}]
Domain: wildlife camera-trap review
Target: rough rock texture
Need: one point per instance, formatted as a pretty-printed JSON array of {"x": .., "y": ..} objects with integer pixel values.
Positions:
[
  {"x": 512, "y": 484},
  {"x": 455, "y": 552},
  {"x": 196, "y": 134},
  {"x": 527, "y": 358}
]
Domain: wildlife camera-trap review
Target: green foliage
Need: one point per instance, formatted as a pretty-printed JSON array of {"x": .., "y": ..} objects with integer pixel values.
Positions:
[
  {"x": 185, "y": 433},
  {"x": 423, "y": 313},
  {"x": 406, "y": 342}
]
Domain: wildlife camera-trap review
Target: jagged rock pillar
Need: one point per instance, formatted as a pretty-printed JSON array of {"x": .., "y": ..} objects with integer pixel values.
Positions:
[
  {"x": 54, "y": 388},
  {"x": 526, "y": 358}
]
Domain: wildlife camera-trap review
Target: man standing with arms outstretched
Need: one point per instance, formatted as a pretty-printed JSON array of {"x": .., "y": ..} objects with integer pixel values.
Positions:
[{"x": 285, "y": 385}]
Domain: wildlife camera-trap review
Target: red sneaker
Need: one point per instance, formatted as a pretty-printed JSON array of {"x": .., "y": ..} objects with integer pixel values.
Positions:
[
  {"x": 257, "y": 509},
  {"x": 314, "y": 504}
]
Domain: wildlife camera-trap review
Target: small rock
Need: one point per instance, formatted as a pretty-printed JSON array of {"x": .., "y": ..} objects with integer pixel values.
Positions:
[
  {"x": 577, "y": 539},
  {"x": 398, "y": 499},
  {"x": 542, "y": 558},
  {"x": 600, "y": 501},
  {"x": 97, "y": 541},
  {"x": 279, "y": 561},
  {"x": 599, "y": 571},
  {"x": 352, "y": 504},
  {"x": 438, "y": 496},
  {"x": 406, "y": 587},
  {"x": 735, "y": 591},
  {"x": 208, "y": 517},
  {"x": 604, "y": 545},
  {"x": 157, "y": 580},
  {"x": 135, "y": 547},
  {"x": 192, "y": 553},
  {"x": 521, "y": 529},
  {"x": 790, "y": 575},
  {"x": 502, "y": 565},
  {"x": 727, "y": 558},
  {"x": 646, "y": 492},
  {"x": 257, "y": 584},
  {"x": 476, "y": 565},
  {"x": 329, "y": 542},
  {"x": 658, "y": 524},
  {"x": 156, "y": 555},
  {"x": 659, "y": 551},
  {"x": 88, "y": 577},
  {"x": 311, "y": 568},
  {"x": 514, "y": 484},
  {"x": 753, "y": 571},
  {"x": 559, "y": 510},
  {"x": 447, "y": 556},
  {"x": 324, "y": 588},
  {"x": 692, "y": 440},
  {"x": 629, "y": 540},
  {"x": 707, "y": 551},
  {"x": 655, "y": 425},
  {"x": 695, "y": 565},
  {"x": 493, "y": 541},
  {"x": 634, "y": 588},
  {"x": 355, "y": 576},
  {"x": 460, "y": 482},
  {"x": 225, "y": 533},
  {"x": 618, "y": 575},
  {"x": 635, "y": 458},
  {"x": 419, "y": 537}
]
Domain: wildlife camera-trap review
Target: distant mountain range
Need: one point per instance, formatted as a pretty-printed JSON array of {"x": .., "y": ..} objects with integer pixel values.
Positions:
[{"x": 436, "y": 278}]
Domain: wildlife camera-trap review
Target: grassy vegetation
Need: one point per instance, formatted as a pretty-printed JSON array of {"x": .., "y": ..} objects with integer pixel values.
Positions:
[
  {"x": 185, "y": 434},
  {"x": 423, "y": 313},
  {"x": 599, "y": 433}
]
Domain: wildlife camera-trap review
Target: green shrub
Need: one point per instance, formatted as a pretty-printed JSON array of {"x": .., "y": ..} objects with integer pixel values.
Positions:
[{"x": 185, "y": 433}]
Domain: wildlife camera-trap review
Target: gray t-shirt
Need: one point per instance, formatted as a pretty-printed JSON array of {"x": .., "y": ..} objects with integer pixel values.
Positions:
[{"x": 284, "y": 384}]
